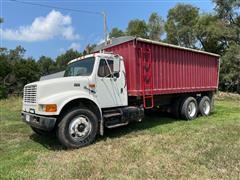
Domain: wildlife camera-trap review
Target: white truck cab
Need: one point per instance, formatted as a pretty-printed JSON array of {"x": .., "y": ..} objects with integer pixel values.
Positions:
[{"x": 91, "y": 95}]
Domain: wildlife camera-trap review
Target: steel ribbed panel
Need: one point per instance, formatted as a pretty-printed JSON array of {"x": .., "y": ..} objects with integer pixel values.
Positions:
[{"x": 174, "y": 70}]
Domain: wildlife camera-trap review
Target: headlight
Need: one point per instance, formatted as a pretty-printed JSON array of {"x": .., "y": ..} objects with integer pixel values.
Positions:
[{"x": 47, "y": 107}]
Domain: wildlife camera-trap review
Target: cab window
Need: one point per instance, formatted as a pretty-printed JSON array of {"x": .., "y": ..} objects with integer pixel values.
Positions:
[
  {"x": 103, "y": 70},
  {"x": 82, "y": 67}
]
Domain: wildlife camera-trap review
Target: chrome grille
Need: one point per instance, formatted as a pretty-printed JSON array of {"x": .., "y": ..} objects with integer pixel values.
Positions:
[{"x": 30, "y": 94}]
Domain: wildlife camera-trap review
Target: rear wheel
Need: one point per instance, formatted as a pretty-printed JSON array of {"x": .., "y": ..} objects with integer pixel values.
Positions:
[
  {"x": 189, "y": 108},
  {"x": 77, "y": 128},
  {"x": 205, "y": 105}
]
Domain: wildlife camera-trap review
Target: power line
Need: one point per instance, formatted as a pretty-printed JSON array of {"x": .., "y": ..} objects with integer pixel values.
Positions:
[
  {"x": 103, "y": 14},
  {"x": 57, "y": 7}
]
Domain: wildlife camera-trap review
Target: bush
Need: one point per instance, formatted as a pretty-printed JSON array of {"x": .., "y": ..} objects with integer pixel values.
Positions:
[{"x": 3, "y": 92}]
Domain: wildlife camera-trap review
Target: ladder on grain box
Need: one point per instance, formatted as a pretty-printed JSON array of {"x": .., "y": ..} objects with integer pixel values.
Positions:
[{"x": 146, "y": 78}]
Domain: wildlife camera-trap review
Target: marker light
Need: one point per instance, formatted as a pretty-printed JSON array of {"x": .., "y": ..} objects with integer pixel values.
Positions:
[
  {"x": 92, "y": 86},
  {"x": 48, "y": 107},
  {"x": 51, "y": 108}
]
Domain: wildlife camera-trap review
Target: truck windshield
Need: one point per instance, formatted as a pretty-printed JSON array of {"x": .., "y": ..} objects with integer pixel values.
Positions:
[{"x": 80, "y": 68}]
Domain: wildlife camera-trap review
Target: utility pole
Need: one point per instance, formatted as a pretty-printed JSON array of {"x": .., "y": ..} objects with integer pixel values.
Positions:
[{"x": 105, "y": 26}]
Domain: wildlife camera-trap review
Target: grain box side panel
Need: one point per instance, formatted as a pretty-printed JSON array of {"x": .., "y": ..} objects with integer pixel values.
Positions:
[
  {"x": 178, "y": 70},
  {"x": 174, "y": 70}
]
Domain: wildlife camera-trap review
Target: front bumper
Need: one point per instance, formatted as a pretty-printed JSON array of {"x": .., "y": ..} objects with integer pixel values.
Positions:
[{"x": 40, "y": 122}]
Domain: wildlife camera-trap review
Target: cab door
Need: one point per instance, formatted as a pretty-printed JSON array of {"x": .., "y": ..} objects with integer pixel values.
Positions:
[{"x": 111, "y": 90}]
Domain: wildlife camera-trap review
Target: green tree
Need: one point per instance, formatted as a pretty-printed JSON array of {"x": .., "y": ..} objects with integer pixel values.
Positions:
[
  {"x": 179, "y": 25},
  {"x": 137, "y": 28},
  {"x": 8, "y": 79},
  {"x": 5, "y": 65},
  {"x": 211, "y": 33},
  {"x": 228, "y": 15},
  {"x": 228, "y": 12},
  {"x": 46, "y": 65},
  {"x": 89, "y": 49},
  {"x": 16, "y": 54},
  {"x": 155, "y": 26},
  {"x": 230, "y": 69},
  {"x": 116, "y": 33},
  {"x": 18, "y": 70},
  {"x": 26, "y": 71},
  {"x": 63, "y": 59},
  {"x": 5, "y": 69},
  {"x": 228, "y": 9}
]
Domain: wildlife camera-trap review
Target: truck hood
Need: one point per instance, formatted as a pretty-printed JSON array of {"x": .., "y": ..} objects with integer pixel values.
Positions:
[{"x": 51, "y": 87}]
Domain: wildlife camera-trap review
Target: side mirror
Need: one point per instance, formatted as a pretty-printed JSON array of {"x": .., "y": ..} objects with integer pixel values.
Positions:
[
  {"x": 116, "y": 65},
  {"x": 114, "y": 78}
]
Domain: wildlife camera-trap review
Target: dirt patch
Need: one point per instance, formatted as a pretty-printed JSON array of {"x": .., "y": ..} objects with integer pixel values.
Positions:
[{"x": 226, "y": 95}]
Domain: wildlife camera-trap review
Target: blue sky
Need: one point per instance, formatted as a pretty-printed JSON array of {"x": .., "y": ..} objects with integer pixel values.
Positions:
[{"x": 50, "y": 31}]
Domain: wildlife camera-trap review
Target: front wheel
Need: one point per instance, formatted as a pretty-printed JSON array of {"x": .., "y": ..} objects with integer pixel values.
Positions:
[{"x": 77, "y": 128}]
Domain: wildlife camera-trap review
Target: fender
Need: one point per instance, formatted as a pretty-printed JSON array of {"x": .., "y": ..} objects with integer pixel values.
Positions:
[{"x": 61, "y": 99}]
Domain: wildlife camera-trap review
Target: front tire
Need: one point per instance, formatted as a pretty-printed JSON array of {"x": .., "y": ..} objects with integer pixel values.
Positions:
[
  {"x": 189, "y": 108},
  {"x": 77, "y": 128}
]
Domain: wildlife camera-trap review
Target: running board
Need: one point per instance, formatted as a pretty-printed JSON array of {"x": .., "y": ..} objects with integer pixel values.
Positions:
[
  {"x": 112, "y": 115},
  {"x": 117, "y": 125}
]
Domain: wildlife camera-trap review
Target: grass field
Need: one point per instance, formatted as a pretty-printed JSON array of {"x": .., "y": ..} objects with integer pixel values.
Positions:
[{"x": 159, "y": 147}]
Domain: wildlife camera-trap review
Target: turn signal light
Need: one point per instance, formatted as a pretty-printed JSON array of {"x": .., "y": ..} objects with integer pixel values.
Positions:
[{"x": 50, "y": 108}]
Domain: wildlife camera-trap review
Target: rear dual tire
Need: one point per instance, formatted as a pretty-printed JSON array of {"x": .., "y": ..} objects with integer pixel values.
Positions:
[
  {"x": 189, "y": 108},
  {"x": 205, "y": 106}
]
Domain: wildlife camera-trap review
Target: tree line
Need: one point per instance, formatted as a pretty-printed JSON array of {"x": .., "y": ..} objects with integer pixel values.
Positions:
[
  {"x": 216, "y": 32},
  {"x": 16, "y": 70}
]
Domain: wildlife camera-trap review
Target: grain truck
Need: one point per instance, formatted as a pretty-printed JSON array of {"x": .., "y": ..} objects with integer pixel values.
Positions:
[{"x": 117, "y": 84}]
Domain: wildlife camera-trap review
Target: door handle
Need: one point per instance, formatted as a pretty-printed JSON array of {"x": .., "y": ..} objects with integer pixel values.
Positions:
[{"x": 125, "y": 78}]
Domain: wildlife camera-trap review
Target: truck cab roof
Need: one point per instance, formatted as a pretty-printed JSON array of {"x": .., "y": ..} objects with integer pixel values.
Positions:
[{"x": 102, "y": 54}]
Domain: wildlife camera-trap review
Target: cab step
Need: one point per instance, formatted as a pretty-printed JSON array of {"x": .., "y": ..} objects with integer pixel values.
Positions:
[
  {"x": 117, "y": 125},
  {"x": 122, "y": 116},
  {"x": 112, "y": 115}
]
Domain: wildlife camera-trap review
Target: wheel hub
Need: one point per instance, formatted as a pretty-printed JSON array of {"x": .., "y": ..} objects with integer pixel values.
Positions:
[
  {"x": 79, "y": 128},
  {"x": 192, "y": 109}
]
